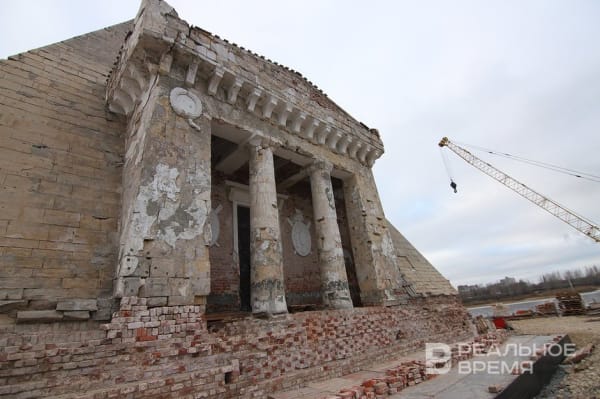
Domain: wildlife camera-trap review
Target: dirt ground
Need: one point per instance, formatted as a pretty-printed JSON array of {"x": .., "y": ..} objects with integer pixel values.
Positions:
[{"x": 570, "y": 381}]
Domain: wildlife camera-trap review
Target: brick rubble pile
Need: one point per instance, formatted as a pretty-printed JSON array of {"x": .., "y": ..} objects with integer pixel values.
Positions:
[{"x": 414, "y": 372}]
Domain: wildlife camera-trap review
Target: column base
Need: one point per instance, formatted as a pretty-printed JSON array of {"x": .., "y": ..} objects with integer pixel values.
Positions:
[
  {"x": 339, "y": 303},
  {"x": 271, "y": 307},
  {"x": 336, "y": 295},
  {"x": 337, "y": 299}
]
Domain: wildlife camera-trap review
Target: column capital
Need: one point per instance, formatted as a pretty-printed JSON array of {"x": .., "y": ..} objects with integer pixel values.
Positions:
[
  {"x": 320, "y": 165},
  {"x": 257, "y": 141}
]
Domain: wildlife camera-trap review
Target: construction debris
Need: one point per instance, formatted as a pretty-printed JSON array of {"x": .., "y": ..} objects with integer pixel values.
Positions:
[
  {"x": 579, "y": 354},
  {"x": 570, "y": 303},
  {"x": 546, "y": 309},
  {"x": 495, "y": 388},
  {"x": 483, "y": 325},
  {"x": 414, "y": 372}
]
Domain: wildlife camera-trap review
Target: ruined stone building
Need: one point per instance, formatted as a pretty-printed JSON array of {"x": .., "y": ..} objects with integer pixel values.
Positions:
[{"x": 181, "y": 217}]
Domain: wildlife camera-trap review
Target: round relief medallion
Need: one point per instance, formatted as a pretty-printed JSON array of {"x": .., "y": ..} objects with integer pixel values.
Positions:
[
  {"x": 300, "y": 234},
  {"x": 185, "y": 103}
]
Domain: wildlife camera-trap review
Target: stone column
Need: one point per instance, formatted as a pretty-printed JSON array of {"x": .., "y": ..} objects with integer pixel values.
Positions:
[
  {"x": 334, "y": 282},
  {"x": 266, "y": 254}
]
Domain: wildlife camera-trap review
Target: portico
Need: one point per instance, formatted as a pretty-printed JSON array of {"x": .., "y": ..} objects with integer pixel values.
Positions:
[
  {"x": 277, "y": 137},
  {"x": 182, "y": 217},
  {"x": 293, "y": 223}
]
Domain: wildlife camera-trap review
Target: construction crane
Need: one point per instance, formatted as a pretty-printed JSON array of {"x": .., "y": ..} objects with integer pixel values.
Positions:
[{"x": 577, "y": 222}]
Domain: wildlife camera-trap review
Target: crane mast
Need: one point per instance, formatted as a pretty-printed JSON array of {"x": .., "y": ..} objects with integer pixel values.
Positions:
[{"x": 567, "y": 216}]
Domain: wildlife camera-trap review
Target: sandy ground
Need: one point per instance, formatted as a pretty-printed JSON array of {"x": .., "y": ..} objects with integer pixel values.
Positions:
[{"x": 571, "y": 381}]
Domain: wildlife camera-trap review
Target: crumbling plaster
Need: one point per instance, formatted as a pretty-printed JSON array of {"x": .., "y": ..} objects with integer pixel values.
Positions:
[
  {"x": 63, "y": 194},
  {"x": 332, "y": 136},
  {"x": 164, "y": 229}
]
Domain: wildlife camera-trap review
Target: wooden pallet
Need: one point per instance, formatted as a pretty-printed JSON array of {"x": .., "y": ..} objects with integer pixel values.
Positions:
[{"x": 570, "y": 303}]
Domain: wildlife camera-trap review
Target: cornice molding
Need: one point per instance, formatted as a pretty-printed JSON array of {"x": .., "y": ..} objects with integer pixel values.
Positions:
[{"x": 149, "y": 51}]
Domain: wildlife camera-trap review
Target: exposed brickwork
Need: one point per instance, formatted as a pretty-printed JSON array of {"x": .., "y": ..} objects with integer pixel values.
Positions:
[
  {"x": 409, "y": 373},
  {"x": 170, "y": 352},
  {"x": 91, "y": 199},
  {"x": 60, "y": 171},
  {"x": 224, "y": 268},
  {"x": 302, "y": 273}
]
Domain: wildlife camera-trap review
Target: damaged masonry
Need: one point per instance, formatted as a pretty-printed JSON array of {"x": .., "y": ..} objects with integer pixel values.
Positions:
[{"x": 184, "y": 218}]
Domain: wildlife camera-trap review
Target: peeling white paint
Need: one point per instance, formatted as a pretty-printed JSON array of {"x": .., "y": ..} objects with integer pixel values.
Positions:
[
  {"x": 387, "y": 247},
  {"x": 168, "y": 209},
  {"x": 138, "y": 138},
  {"x": 164, "y": 193},
  {"x": 198, "y": 177},
  {"x": 182, "y": 290},
  {"x": 169, "y": 235},
  {"x": 199, "y": 211},
  {"x": 128, "y": 265},
  {"x": 264, "y": 245},
  {"x": 332, "y": 276},
  {"x": 165, "y": 181}
]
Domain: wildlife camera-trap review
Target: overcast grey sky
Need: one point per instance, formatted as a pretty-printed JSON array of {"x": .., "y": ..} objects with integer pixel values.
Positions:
[{"x": 521, "y": 77}]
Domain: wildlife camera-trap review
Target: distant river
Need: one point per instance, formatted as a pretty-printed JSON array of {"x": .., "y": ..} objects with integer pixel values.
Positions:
[{"x": 487, "y": 311}]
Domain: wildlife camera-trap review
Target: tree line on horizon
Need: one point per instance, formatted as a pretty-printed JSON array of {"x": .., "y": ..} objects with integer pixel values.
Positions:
[{"x": 510, "y": 287}]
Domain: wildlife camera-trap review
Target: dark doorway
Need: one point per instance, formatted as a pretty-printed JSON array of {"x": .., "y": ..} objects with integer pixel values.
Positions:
[{"x": 243, "y": 231}]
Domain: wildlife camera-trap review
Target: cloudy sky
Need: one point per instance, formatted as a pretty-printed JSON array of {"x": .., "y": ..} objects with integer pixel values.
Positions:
[{"x": 519, "y": 77}]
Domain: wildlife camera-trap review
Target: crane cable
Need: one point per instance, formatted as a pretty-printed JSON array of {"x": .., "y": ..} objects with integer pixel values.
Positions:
[
  {"x": 543, "y": 165},
  {"x": 448, "y": 169}
]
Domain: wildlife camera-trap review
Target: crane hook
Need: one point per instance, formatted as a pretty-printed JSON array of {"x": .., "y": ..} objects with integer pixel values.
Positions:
[{"x": 453, "y": 185}]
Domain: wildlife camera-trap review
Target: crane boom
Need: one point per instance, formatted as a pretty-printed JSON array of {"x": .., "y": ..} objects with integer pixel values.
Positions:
[{"x": 577, "y": 222}]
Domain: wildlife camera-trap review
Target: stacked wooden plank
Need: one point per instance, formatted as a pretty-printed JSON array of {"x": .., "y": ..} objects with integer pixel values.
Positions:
[
  {"x": 546, "y": 309},
  {"x": 483, "y": 325},
  {"x": 570, "y": 303}
]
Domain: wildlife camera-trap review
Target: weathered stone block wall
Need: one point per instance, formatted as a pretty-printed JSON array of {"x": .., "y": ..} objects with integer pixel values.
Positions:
[
  {"x": 417, "y": 270},
  {"x": 170, "y": 352},
  {"x": 60, "y": 173},
  {"x": 165, "y": 233},
  {"x": 377, "y": 268}
]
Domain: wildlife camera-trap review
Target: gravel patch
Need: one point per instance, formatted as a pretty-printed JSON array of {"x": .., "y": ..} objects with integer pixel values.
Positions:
[{"x": 570, "y": 381}]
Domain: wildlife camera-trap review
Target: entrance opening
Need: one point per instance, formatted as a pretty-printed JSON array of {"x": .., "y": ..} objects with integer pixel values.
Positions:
[{"x": 243, "y": 231}]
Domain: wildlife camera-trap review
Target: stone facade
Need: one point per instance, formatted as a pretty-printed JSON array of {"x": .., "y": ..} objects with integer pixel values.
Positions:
[
  {"x": 181, "y": 216},
  {"x": 417, "y": 270},
  {"x": 60, "y": 170}
]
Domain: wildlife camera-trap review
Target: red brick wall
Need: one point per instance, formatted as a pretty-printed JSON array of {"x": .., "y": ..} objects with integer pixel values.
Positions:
[
  {"x": 302, "y": 274},
  {"x": 170, "y": 353},
  {"x": 224, "y": 267}
]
